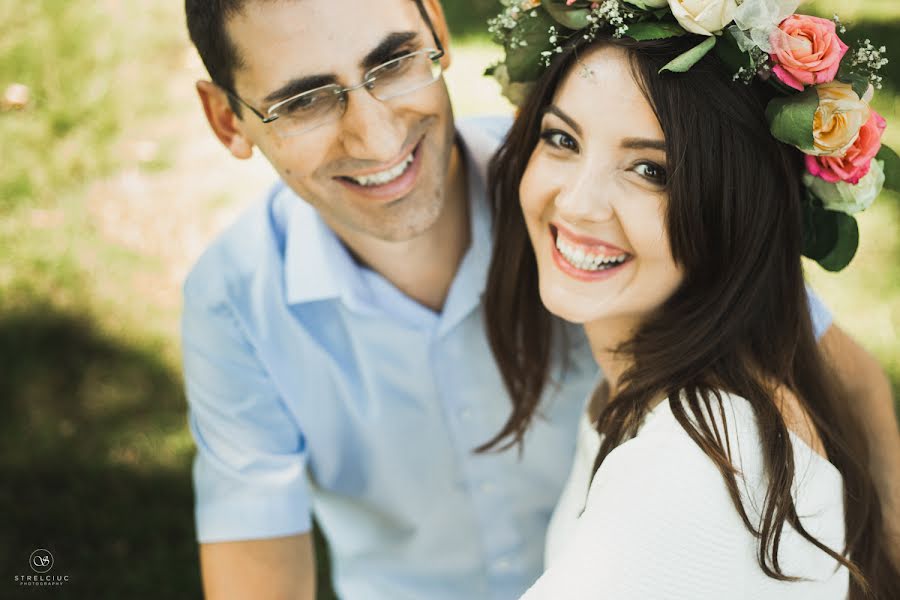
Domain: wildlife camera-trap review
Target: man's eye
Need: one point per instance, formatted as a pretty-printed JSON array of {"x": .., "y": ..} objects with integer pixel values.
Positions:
[
  {"x": 651, "y": 171},
  {"x": 560, "y": 139},
  {"x": 300, "y": 104}
]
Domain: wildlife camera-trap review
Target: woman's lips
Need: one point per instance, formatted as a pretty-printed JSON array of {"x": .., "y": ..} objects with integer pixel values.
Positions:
[
  {"x": 593, "y": 259},
  {"x": 597, "y": 245}
]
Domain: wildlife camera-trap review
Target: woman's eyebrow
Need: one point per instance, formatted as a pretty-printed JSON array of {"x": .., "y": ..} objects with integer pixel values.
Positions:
[
  {"x": 555, "y": 110},
  {"x": 643, "y": 144}
]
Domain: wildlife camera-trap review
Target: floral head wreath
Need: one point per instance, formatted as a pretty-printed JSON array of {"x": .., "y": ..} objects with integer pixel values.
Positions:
[{"x": 826, "y": 89}]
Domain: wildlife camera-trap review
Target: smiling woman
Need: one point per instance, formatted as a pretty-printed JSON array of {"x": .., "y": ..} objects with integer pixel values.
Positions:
[
  {"x": 659, "y": 212},
  {"x": 593, "y": 195}
]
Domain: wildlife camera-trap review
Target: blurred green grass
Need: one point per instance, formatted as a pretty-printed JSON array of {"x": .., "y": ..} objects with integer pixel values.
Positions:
[{"x": 94, "y": 451}]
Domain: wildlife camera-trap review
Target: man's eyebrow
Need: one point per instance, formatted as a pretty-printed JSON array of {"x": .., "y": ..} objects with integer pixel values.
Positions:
[
  {"x": 382, "y": 53},
  {"x": 388, "y": 48},
  {"x": 643, "y": 144},
  {"x": 555, "y": 110},
  {"x": 298, "y": 86}
]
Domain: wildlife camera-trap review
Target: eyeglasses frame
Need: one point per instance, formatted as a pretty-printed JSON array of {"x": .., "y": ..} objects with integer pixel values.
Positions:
[{"x": 436, "y": 54}]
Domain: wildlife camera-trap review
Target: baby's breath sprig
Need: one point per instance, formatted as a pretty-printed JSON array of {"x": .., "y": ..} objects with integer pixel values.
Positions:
[
  {"x": 613, "y": 13},
  {"x": 759, "y": 64},
  {"x": 608, "y": 14},
  {"x": 841, "y": 28},
  {"x": 504, "y": 28},
  {"x": 868, "y": 61}
]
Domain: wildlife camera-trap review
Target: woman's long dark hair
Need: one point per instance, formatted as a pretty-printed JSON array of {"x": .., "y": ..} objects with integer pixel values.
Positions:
[{"x": 739, "y": 322}]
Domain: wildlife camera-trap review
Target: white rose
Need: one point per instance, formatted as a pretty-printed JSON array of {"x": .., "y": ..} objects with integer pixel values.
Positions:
[
  {"x": 756, "y": 20},
  {"x": 704, "y": 17},
  {"x": 846, "y": 197}
]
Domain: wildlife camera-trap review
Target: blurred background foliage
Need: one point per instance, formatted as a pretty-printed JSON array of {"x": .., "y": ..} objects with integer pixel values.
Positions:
[{"x": 110, "y": 186}]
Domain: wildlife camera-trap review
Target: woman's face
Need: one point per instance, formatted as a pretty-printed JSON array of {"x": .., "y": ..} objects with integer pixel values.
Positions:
[{"x": 594, "y": 200}]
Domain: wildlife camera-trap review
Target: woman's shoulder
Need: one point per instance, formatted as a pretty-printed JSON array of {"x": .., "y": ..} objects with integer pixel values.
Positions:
[{"x": 671, "y": 457}]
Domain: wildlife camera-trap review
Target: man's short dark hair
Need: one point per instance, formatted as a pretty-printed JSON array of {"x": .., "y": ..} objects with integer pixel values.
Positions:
[{"x": 206, "y": 21}]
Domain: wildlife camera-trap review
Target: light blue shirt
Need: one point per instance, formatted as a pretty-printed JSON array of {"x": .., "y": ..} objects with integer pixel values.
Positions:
[{"x": 314, "y": 385}]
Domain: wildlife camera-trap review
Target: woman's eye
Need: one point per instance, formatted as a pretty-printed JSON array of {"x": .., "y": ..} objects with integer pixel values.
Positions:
[
  {"x": 560, "y": 139},
  {"x": 651, "y": 171}
]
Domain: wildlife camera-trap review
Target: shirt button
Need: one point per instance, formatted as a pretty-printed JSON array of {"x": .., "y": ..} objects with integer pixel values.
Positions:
[
  {"x": 465, "y": 414},
  {"x": 502, "y": 565},
  {"x": 487, "y": 487}
]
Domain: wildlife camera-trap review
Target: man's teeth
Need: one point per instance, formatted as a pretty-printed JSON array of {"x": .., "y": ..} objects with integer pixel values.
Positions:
[
  {"x": 587, "y": 261},
  {"x": 385, "y": 176}
]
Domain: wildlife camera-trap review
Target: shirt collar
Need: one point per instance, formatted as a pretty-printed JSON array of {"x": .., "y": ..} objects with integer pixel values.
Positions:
[{"x": 317, "y": 266}]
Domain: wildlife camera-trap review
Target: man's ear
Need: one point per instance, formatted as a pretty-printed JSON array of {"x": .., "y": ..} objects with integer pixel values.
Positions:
[
  {"x": 436, "y": 14},
  {"x": 224, "y": 123}
]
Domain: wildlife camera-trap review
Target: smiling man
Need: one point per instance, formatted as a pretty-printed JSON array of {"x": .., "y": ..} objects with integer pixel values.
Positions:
[
  {"x": 334, "y": 349},
  {"x": 335, "y": 358}
]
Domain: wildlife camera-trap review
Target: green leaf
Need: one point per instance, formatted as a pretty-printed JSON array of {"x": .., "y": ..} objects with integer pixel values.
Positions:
[
  {"x": 524, "y": 62},
  {"x": 820, "y": 229},
  {"x": 731, "y": 55},
  {"x": 648, "y": 30},
  {"x": 891, "y": 168},
  {"x": 791, "y": 118},
  {"x": 643, "y": 5},
  {"x": 568, "y": 17},
  {"x": 847, "y": 243},
  {"x": 684, "y": 62},
  {"x": 859, "y": 83}
]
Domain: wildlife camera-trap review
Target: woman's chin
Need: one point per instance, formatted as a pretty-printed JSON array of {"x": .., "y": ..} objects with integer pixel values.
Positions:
[{"x": 570, "y": 307}]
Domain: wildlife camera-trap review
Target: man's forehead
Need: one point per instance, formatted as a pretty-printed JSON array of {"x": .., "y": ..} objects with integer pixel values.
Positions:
[{"x": 286, "y": 39}]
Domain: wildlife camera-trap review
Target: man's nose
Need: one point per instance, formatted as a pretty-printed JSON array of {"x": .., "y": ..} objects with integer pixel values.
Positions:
[{"x": 370, "y": 129}]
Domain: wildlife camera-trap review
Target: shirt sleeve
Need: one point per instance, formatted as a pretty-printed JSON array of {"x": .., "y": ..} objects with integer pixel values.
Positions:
[
  {"x": 249, "y": 471},
  {"x": 819, "y": 313},
  {"x": 658, "y": 523}
]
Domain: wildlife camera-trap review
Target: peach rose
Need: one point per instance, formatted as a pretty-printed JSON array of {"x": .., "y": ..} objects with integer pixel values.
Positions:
[
  {"x": 838, "y": 119},
  {"x": 806, "y": 50},
  {"x": 854, "y": 165}
]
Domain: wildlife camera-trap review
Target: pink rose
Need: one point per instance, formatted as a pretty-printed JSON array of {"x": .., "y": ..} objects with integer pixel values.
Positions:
[
  {"x": 806, "y": 50},
  {"x": 855, "y": 163}
]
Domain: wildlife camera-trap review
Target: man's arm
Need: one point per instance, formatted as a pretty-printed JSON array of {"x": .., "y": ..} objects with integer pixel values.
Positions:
[
  {"x": 273, "y": 569},
  {"x": 252, "y": 500},
  {"x": 865, "y": 381}
]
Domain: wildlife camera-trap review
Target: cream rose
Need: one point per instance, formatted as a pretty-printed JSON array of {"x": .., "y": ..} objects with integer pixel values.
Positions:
[
  {"x": 838, "y": 119},
  {"x": 704, "y": 17},
  {"x": 516, "y": 93},
  {"x": 847, "y": 197}
]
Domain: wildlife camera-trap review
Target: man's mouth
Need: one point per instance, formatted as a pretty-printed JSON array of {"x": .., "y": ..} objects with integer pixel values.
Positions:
[
  {"x": 388, "y": 183},
  {"x": 386, "y": 176}
]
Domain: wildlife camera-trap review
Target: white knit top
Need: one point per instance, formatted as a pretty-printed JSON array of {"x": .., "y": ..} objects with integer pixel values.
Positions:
[{"x": 658, "y": 521}]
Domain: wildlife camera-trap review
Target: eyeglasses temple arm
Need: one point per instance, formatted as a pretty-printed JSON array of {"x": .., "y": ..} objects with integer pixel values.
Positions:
[{"x": 428, "y": 22}]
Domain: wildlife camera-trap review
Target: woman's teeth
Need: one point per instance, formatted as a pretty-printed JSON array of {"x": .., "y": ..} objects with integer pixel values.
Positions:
[
  {"x": 386, "y": 176},
  {"x": 587, "y": 261}
]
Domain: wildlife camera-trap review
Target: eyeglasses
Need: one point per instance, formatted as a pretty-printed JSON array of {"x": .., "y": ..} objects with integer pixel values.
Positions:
[{"x": 313, "y": 108}]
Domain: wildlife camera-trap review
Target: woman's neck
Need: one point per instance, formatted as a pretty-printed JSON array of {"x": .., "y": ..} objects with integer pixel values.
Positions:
[{"x": 605, "y": 337}]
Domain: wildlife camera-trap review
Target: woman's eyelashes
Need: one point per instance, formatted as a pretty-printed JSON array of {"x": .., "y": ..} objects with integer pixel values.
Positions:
[
  {"x": 559, "y": 139},
  {"x": 652, "y": 172},
  {"x": 648, "y": 170}
]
